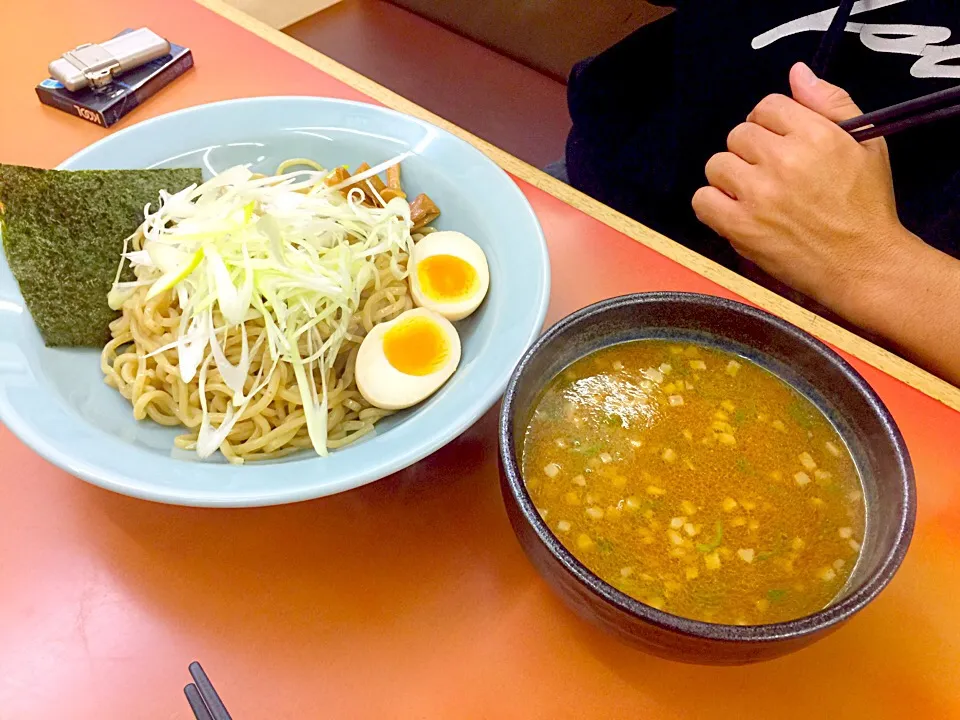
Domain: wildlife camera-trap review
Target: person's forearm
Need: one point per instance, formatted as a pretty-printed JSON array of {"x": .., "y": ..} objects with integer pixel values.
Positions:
[{"x": 911, "y": 297}]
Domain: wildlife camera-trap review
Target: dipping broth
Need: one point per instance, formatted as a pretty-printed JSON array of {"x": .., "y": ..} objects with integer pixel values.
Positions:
[{"x": 696, "y": 482}]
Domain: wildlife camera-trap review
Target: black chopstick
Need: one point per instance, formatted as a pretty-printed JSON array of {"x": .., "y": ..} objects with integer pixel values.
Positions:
[
  {"x": 196, "y": 703},
  {"x": 831, "y": 38},
  {"x": 903, "y": 116},
  {"x": 906, "y": 124},
  {"x": 203, "y": 692}
]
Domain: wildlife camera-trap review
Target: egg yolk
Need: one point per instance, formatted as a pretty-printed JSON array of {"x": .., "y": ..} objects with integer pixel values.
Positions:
[
  {"x": 446, "y": 277},
  {"x": 416, "y": 346}
]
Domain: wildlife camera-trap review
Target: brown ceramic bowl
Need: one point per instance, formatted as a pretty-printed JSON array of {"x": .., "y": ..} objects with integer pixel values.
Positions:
[{"x": 796, "y": 357}]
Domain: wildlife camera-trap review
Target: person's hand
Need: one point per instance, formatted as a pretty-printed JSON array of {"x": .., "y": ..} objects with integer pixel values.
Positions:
[
  {"x": 801, "y": 198},
  {"x": 807, "y": 203}
]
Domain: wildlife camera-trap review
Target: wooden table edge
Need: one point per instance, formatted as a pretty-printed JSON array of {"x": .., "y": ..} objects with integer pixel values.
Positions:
[{"x": 827, "y": 331}]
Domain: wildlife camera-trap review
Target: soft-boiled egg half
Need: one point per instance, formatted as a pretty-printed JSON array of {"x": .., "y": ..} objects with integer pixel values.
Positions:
[
  {"x": 448, "y": 274},
  {"x": 406, "y": 360}
]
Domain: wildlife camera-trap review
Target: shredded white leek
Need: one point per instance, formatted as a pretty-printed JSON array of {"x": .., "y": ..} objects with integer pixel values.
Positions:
[{"x": 286, "y": 249}]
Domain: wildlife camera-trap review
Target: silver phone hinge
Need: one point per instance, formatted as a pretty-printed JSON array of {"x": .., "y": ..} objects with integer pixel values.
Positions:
[{"x": 95, "y": 62}]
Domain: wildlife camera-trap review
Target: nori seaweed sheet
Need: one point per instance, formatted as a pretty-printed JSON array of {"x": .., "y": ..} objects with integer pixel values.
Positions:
[{"x": 63, "y": 234}]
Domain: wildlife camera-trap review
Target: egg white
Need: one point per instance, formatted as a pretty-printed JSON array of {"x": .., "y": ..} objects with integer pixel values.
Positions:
[
  {"x": 383, "y": 386},
  {"x": 458, "y": 245}
]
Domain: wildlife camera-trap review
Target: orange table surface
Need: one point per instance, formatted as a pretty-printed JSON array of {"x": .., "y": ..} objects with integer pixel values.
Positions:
[{"x": 410, "y": 597}]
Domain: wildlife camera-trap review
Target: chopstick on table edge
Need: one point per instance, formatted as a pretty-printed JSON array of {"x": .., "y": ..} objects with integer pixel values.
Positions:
[
  {"x": 903, "y": 116},
  {"x": 196, "y": 703},
  {"x": 201, "y": 689}
]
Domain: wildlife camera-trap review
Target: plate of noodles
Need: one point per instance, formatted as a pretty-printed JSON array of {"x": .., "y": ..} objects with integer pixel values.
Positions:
[{"x": 345, "y": 290}]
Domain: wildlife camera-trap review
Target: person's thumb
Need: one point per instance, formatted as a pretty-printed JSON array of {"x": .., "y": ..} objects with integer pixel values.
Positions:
[{"x": 820, "y": 96}]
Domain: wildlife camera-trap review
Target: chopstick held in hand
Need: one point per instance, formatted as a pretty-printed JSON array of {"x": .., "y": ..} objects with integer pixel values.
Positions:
[{"x": 903, "y": 116}]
